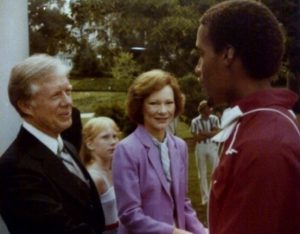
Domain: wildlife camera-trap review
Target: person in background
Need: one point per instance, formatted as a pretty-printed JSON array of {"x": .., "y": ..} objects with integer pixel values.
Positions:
[
  {"x": 172, "y": 127},
  {"x": 255, "y": 186},
  {"x": 73, "y": 133},
  {"x": 203, "y": 127},
  {"x": 100, "y": 136},
  {"x": 44, "y": 189},
  {"x": 150, "y": 168}
]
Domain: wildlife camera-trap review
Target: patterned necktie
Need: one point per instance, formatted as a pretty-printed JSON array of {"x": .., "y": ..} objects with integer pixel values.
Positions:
[
  {"x": 61, "y": 151},
  {"x": 68, "y": 161}
]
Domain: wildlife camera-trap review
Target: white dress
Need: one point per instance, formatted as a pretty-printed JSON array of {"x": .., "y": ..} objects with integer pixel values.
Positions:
[{"x": 109, "y": 205}]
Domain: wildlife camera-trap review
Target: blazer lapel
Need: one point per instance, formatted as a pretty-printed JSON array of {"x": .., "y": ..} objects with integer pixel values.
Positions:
[
  {"x": 175, "y": 164},
  {"x": 153, "y": 156},
  {"x": 53, "y": 167},
  {"x": 72, "y": 151},
  {"x": 66, "y": 180}
]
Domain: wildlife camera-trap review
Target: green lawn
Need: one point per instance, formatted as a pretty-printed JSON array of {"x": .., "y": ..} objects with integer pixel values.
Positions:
[
  {"x": 183, "y": 131},
  {"x": 194, "y": 187},
  {"x": 90, "y": 101}
]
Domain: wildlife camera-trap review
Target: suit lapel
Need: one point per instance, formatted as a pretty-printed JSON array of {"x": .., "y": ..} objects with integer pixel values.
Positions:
[
  {"x": 66, "y": 180},
  {"x": 72, "y": 151},
  {"x": 153, "y": 156},
  {"x": 175, "y": 164},
  {"x": 53, "y": 167}
]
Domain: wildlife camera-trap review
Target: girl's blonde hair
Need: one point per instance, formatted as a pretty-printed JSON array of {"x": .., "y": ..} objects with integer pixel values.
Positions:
[{"x": 90, "y": 130}]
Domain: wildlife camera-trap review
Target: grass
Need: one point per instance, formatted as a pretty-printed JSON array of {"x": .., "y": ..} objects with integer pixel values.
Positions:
[
  {"x": 194, "y": 188},
  {"x": 88, "y": 84},
  {"x": 91, "y": 101},
  {"x": 183, "y": 131},
  {"x": 194, "y": 194}
]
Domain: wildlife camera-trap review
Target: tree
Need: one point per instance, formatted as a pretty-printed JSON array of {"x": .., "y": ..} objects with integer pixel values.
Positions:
[
  {"x": 166, "y": 28},
  {"x": 98, "y": 31},
  {"x": 288, "y": 12},
  {"x": 85, "y": 61},
  {"x": 125, "y": 69},
  {"x": 193, "y": 95},
  {"x": 48, "y": 27}
]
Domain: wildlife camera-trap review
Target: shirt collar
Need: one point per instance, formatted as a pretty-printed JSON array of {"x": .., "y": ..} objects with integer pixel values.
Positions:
[
  {"x": 260, "y": 99},
  {"x": 50, "y": 142},
  {"x": 229, "y": 120},
  {"x": 159, "y": 143}
]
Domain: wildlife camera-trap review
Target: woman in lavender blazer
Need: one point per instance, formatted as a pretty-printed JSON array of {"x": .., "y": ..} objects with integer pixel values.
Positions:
[{"x": 150, "y": 165}]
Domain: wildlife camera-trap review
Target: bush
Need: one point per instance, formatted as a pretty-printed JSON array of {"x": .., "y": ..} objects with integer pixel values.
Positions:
[
  {"x": 125, "y": 69},
  {"x": 85, "y": 62},
  {"x": 97, "y": 84},
  {"x": 117, "y": 113},
  {"x": 193, "y": 94}
]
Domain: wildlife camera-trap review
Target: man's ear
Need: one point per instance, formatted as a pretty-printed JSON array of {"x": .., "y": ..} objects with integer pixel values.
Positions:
[
  {"x": 25, "y": 106},
  {"x": 229, "y": 55}
]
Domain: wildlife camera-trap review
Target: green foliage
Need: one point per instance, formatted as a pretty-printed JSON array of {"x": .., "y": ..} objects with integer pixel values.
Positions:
[
  {"x": 117, "y": 113},
  {"x": 99, "y": 32},
  {"x": 125, "y": 69},
  {"x": 166, "y": 28},
  {"x": 91, "y": 92},
  {"x": 193, "y": 93},
  {"x": 48, "y": 27},
  {"x": 98, "y": 84},
  {"x": 288, "y": 13},
  {"x": 90, "y": 101},
  {"x": 85, "y": 61}
]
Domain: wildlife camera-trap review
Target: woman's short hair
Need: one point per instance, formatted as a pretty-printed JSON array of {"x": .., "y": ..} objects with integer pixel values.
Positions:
[
  {"x": 28, "y": 74},
  {"x": 146, "y": 84},
  {"x": 252, "y": 30},
  {"x": 90, "y": 131}
]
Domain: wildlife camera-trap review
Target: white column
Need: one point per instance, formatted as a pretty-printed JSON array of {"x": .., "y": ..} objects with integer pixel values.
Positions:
[{"x": 14, "y": 48}]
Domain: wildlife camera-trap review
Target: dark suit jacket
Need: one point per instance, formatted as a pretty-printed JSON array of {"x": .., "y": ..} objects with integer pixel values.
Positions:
[
  {"x": 73, "y": 133},
  {"x": 39, "y": 195}
]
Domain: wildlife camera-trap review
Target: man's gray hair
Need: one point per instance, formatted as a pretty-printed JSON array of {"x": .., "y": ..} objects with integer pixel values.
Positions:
[{"x": 26, "y": 76}]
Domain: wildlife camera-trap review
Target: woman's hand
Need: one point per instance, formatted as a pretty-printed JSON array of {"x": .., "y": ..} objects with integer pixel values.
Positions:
[{"x": 180, "y": 231}]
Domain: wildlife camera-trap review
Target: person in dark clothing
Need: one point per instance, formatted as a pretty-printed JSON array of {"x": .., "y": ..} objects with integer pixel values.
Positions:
[
  {"x": 73, "y": 134},
  {"x": 44, "y": 189}
]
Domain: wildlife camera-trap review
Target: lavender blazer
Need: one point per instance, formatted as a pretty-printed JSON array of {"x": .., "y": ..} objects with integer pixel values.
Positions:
[{"x": 145, "y": 204}]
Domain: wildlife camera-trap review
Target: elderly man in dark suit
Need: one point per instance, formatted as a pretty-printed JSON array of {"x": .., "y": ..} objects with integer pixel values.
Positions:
[{"x": 43, "y": 186}]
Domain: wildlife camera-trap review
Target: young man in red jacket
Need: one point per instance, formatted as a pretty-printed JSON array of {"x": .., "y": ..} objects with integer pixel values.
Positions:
[{"x": 256, "y": 186}]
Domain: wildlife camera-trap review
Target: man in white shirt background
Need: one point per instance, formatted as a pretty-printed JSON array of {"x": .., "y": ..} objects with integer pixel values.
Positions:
[{"x": 203, "y": 127}]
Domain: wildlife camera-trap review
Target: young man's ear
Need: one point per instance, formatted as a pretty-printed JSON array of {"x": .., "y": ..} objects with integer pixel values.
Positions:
[
  {"x": 229, "y": 55},
  {"x": 25, "y": 106}
]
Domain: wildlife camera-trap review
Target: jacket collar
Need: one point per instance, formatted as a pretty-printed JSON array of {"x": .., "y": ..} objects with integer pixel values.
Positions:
[
  {"x": 50, "y": 142},
  {"x": 154, "y": 157},
  {"x": 271, "y": 97},
  {"x": 53, "y": 167},
  {"x": 279, "y": 98}
]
